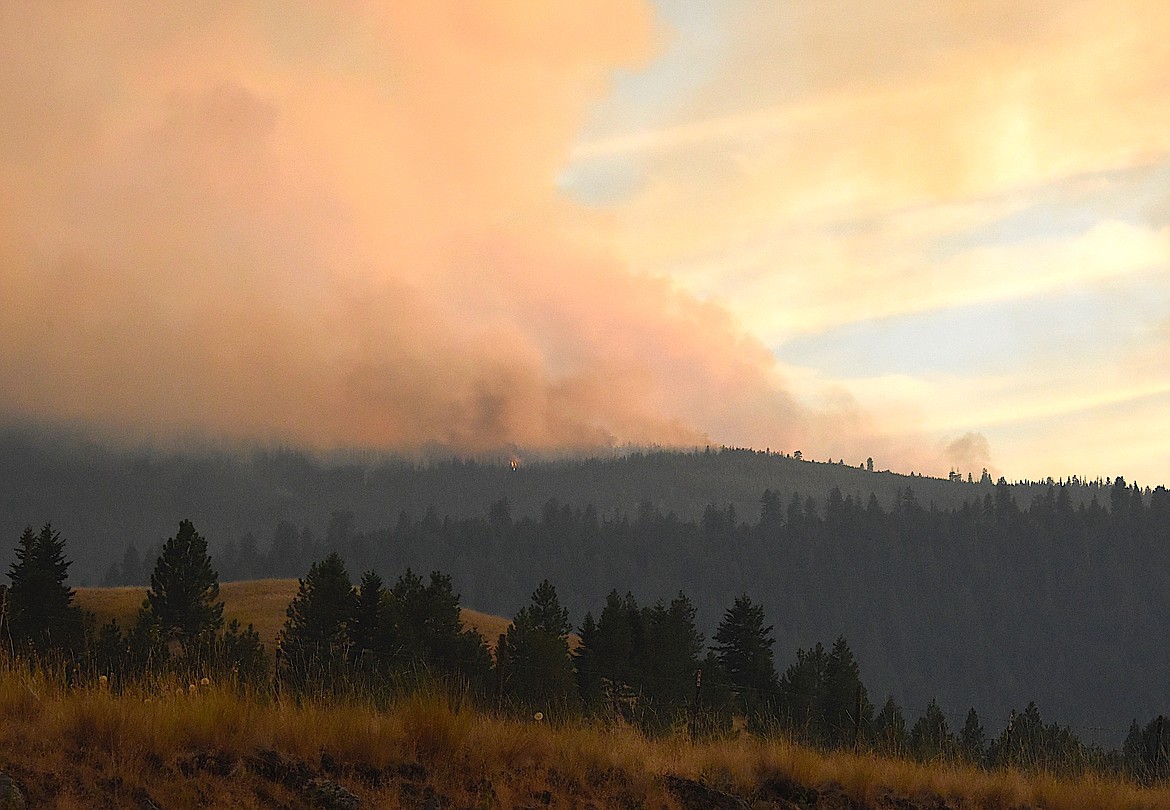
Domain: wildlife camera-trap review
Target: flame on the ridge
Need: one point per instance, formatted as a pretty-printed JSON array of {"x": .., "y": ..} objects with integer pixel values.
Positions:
[{"x": 515, "y": 462}]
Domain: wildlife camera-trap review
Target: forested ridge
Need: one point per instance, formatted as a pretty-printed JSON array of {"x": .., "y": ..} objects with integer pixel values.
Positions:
[{"x": 107, "y": 498}]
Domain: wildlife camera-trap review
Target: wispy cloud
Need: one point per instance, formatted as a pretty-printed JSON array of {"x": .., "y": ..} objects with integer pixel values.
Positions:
[{"x": 853, "y": 163}]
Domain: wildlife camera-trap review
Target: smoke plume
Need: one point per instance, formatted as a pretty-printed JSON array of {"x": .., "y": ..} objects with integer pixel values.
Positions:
[{"x": 338, "y": 224}]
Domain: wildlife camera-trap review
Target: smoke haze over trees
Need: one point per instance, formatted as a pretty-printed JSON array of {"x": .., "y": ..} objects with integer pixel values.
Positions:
[
  {"x": 201, "y": 169},
  {"x": 107, "y": 498}
]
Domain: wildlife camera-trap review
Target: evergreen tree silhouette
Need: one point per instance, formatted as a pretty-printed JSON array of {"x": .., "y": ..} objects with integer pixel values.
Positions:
[
  {"x": 183, "y": 599},
  {"x": 425, "y": 629},
  {"x": 889, "y": 728},
  {"x": 589, "y": 679},
  {"x": 536, "y": 667},
  {"x": 843, "y": 696},
  {"x": 40, "y": 609},
  {"x": 370, "y": 628},
  {"x": 972, "y": 740},
  {"x": 744, "y": 647},
  {"x": 450, "y": 649},
  {"x": 316, "y": 635},
  {"x": 930, "y": 738}
]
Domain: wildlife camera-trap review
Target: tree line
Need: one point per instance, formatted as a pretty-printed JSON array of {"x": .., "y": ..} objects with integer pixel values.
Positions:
[
  {"x": 106, "y": 497},
  {"x": 179, "y": 623},
  {"x": 646, "y": 664},
  {"x": 989, "y": 603}
]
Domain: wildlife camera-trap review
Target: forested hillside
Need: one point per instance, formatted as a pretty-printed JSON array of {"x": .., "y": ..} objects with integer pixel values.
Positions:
[
  {"x": 105, "y": 499},
  {"x": 986, "y": 605}
]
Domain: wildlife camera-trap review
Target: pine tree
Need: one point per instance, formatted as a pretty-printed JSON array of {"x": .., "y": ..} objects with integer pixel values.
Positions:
[
  {"x": 315, "y": 638},
  {"x": 546, "y": 611},
  {"x": 771, "y": 514},
  {"x": 801, "y": 688},
  {"x": 40, "y": 609},
  {"x": 972, "y": 740},
  {"x": 672, "y": 649},
  {"x": 642, "y": 660},
  {"x": 612, "y": 644},
  {"x": 1028, "y": 737},
  {"x": 589, "y": 683},
  {"x": 132, "y": 569},
  {"x": 1147, "y": 750},
  {"x": 450, "y": 649},
  {"x": 107, "y": 651},
  {"x": 744, "y": 647},
  {"x": 113, "y": 576},
  {"x": 424, "y": 628},
  {"x": 249, "y": 563},
  {"x": 930, "y": 737},
  {"x": 1133, "y": 751},
  {"x": 146, "y": 649},
  {"x": 537, "y": 669},
  {"x": 442, "y": 623},
  {"x": 370, "y": 628},
  {"x": 889, "y": 728},
  {"x": 183, "y": 600},
  {"x": 240, "y": 653},
  {"x": 407, "y": 606},
  {"x": 843, "y": 696}
]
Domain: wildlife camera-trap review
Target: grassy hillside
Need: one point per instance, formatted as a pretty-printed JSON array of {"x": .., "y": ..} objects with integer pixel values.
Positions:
[
  {"x": 152, "y": 747},
  {"x": 261, "y": 603}
]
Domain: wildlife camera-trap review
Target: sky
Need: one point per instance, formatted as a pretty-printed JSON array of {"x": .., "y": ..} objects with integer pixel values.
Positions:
[{"x": 933, "y": 234}]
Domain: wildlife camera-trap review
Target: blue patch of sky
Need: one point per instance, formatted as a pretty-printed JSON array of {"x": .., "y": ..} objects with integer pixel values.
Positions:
[
  {"x": 602, "y": 182},
  {"x": 1072, "y": 207},
  {"x": 1078, "y": 325},
  {"x": 655, "y": 96}
]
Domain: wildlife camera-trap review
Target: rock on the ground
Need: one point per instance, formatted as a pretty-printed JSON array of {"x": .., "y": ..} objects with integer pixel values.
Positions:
[
  {"x": 327, "y": 793},
  {"x": 695, "y": 795},
  {"x": 10, "y": 796}
]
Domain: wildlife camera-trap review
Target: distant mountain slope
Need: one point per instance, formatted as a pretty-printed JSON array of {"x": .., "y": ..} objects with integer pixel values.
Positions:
[{"x": 103, "y": 499}]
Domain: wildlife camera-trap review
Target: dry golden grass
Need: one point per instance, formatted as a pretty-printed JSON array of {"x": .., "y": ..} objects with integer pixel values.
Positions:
[
  {"x": 261, "y": 603},
  {"x": 122, "y": 745},
  {"x": 487, "y": 625},
  {"x": 85, "y": 747},
  {"x": 111, "y": 603},
  {"x": 80, "y": 747}
]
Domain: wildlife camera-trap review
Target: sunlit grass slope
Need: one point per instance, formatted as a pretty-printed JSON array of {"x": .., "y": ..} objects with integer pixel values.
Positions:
[
  {"x": 150, "y": 746},
  {"x": 261, "y": 603},
  {"x": 165, "y": 744}
]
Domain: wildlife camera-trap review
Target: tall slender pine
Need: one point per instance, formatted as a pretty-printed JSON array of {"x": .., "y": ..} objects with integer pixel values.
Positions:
[{"x": 183, "y": 600}]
